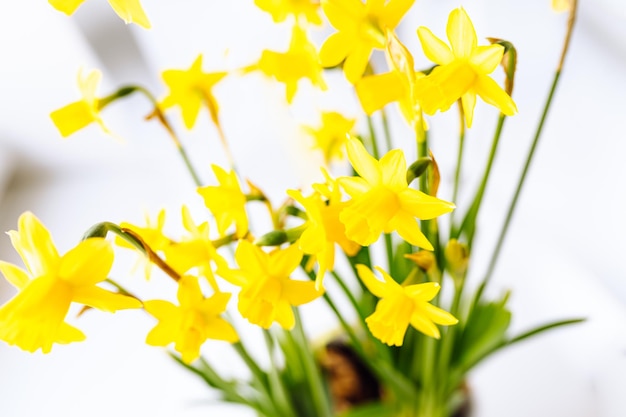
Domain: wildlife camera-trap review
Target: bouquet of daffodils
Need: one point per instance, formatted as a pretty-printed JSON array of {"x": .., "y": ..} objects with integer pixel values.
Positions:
[{"x": 400, "y": 346}]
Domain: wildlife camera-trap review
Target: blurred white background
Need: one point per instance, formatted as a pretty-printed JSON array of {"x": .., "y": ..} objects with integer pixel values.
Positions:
[{"x": 564, "y": 256}]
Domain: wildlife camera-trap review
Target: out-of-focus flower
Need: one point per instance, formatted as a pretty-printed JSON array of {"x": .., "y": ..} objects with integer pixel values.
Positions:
[
  {"x": 463, "y": 70},
  {"x": 400, "y": 306},
  {"x": 300, "y": 61},
  {"x": 81, "y": 113},
  {"x": 561, "y": 5},
  {"x": 190, "y": 89},
  {"x": 281, "y": 9},
  {"x": 227, "y": 202},
  {"x": 129, "y": 10},
  {"x": 192, "y": 322},
  {"x": 35, "y": 318},
  {"x": 382, "y": 200},
  {"x": 267, "y": 291},
  {"x": 330, "y": 137},
  {"x": 361, "y": 28}
]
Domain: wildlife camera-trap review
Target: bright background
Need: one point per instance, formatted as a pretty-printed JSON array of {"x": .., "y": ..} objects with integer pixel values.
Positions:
[{"x": 564, "y": 257}]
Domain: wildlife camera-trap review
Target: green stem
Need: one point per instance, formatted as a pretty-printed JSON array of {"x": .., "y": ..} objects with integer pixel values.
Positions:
[
  {"x": 349, "y": 295},
  {"x": 459, "y": 162},
  {"x": 374, "y": 142},
  {"x": 386, "y": 129}
]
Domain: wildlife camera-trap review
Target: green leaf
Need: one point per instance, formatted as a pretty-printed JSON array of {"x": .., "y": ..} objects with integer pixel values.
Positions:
[{"x": 377, "y": 409}]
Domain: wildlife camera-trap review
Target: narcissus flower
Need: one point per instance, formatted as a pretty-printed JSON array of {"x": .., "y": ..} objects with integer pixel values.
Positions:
[
  {"x": 81, "y": 113},
  {"x": 561, "y": 5},
  {"x": 361, "y": 27},
  {"x": 129, "y": 10},
  {"x": 330, "y": 137},
  {"x": 323, "y": 231},
  {"x": 463, "y": 70},
  {"x": 190, "y": 89},
  {"x": 267, "y": 292},
  {"x": 300, "y": 61},
  {"x": 382, "y": 200},
  {"x": 226, "y": 201},
  {"x": 281, "y": 9},
  {"x": 400, "y": 306},
  {"x": 35, "y": 318},
  {"x": 192, "y": 322}
]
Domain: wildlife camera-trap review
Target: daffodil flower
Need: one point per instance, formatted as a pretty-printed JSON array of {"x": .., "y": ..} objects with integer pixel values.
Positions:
[
  {"x": 330, "y": 137},
  {"x": 35, "y": 318},
  {"x": 267, "y": 291},
  {"x": 81, "y": 113},
  {"x": 382, "y": 201},
  {"x": 192, "y": 322},
  {"x": 361, "y": 28},
  {"x": 323, "y": 230},
  {"x": 281, "y": 9},
  {"x": 463, "y": 70},
  {"x": 190, "y": 89},
  {"x": 300, "y": 61},
  {"x": 129, "y": 10},
  {"x": 561, "y": 5},
  {"x": 227, "y": 202},
  {"x": 400, "y": 306}
]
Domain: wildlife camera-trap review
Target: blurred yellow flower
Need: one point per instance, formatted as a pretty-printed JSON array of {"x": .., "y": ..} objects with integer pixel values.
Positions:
[
  {"x": 300, "y": 61},
  {"x": 129, "y": 10},
  {"x": 400, "y": 306},
  {"x": 361, "y": 28},
  {"x": 561, "y": 5},
  {"x": 330, "y": 137},
  {"x": 382, "y": 201},
  {"x": 267, "y": 292},
  {"x": 280, "y": 9},
  {"x": 81, "y": 113},
  {"x": 227, "y": 202},
  {"x": 190, "y": 89},
  {"x": 35, "y": 318},
  {"x": 192, "y": 322},
  {"x": 463, "y": 70}
]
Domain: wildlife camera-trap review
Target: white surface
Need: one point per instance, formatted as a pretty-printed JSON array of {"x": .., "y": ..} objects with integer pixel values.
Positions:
[{"x": 564, "y": 256}]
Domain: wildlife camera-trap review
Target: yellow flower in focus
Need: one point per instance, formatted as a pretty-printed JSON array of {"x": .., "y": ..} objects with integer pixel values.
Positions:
[
  {"x": 190, "y": 89},
  {"x": 561, "y": 5},
  {"x": 280, "y": 9},
  {"x": 463, "y": 70},
  {"x": 191, "y": 323},
  {"x": 129, "y": 10},
  {"x": 382, "y": 200},
  {"x": 196, "y": 250},
  {"x": 35, "y": 318},
  {"x": 267, "y": 292},
  {"x": 81, "y": 113},
  {"x": 300, "y": 61},
  {"x": 361, "y": 28},
  {"x": 323, "y": 230},
  {"x": 330, "y": 137},
  {"x": 227, "y": 202},
  {"x": 400, "y": 306}
]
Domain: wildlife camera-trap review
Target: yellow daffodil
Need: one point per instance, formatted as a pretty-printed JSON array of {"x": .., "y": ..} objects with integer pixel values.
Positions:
[
  {"x": 330, "y": 137},
  {"x": 195, "y": 250},
  {"x": 323, "y": 230},
  {"x": 267, "y": 292},
  {"x": 561, "y": 5},
  {"x": 35, "y": 318},
  {"x": 361, "y": 27},
  {"x": 400, "y": 306},
  {"x": 81, "y": 113},
  {"x": 300, "y": 61},
  {"x": 463, "y": 71},
  {"x": 192, "y": 322},
  {"x": 227, "y": 202},
  {"x": 151, "y": 234},
  {"x": 129, "y": 10},
  {"x": 382, "y": 200},
  {"x": 281, "y": 9},
  {"x": 190, "y": 89}
]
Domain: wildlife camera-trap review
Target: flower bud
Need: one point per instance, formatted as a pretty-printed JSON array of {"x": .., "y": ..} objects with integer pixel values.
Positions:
[{"x": 457, "y": 258}]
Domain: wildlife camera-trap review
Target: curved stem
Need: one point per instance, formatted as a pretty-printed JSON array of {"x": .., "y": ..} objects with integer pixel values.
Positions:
[{"x": 459, "y": 161}]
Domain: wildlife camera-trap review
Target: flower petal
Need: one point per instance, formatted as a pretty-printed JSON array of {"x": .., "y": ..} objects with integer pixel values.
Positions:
[
  {"x": 493, "y": 94},
  {"x": 131, "y": 12},
  {"x": 356, "y": 62},
  {"x": 423, "y": 206},
  {"x": 299, "y": 292},
  {"x": 394, "y": 12},
  {"x": 434, "y": 48},
  {"x": 66, "y": 6},
  {"x": 189, "y": 293},
  {"x": 334, "y": 50},
  {"x": 485, "y": 59},
  {"x": 393, "y": 167},
  {"x": 34, "y": 244},
  {"x": 377, "y": 287},
  {"x": 461, "y": 33},
  {"x": 362, "y": 162},
  {"x": 422, "y": 292},
  {"x": 104, "y": 300},
  {"x": 437, "y": 315},
  {"x": 220, "y": 329},
  {"x": 88, "y": 263},
  {"x": 468, "y": 101},
  {"x": 409, "y": 230},
  {"x": 283, "y": 262},
  {"x": 376, "y": 91},
  {"x": 15, "y": 275},
  {"x": 424, "y": 325}
]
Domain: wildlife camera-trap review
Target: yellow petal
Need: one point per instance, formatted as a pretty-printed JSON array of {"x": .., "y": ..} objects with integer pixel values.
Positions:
[
  {"x": 434, "y": 48},
  {"x": 216, "y": 304},
  {"x": 400, "y": 57},
  {"x": 356, "y": 62},
  {"x": 354, "y": 186},
  {"x": 283, "y": 262},
  {"x": 393, "y": 167},
  {"x": 131, "y": 12},
  {"x": 73, "y": 117},
  {"x": 343, "y": 14},
  {"x": 486, "y": 59},
  {"x": 376, "y": 91},
  {"x": 220, "y": 329},
  {"x": 461, "y": 33},
  {"x": 422, "y": 292},
  {"x": 409, "y": 230},
  {"x": 299, "y": 292},
  {"x": 285, "y": 316},
  {"x": 160, "y": 309},
  {"x": 162, "y": 334},
  {"x": 493, "y": 94},
  {"x": 468, "y": 101},
  {"x": 68, "y": 334},
  {"x": 362, "y": 162},
  {"x": 88, "y": 263},
  {"x": 437, "y": 315},
  {"x": 423, "y": 206},
  {"x": 16, "y": 276},
  {"x": 104, "y": 300},
  {"x": 444, "y": 86},
  {"x": 394, "y": 11},
  {"x": 34, "y": 244},
  {"x": 424, "y": 325},
  {"x": 66, "y": 6},
  {"x": 373, "y": 284},
  {"x": 189, "y": 293},
  {"x": 334, "y": 50}
]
